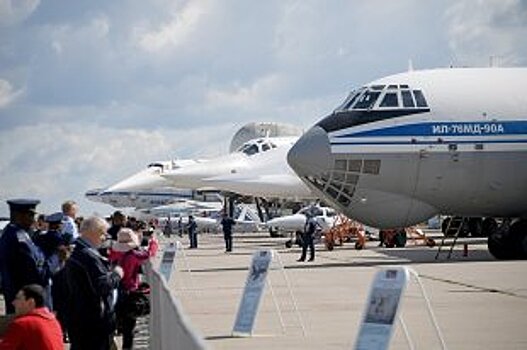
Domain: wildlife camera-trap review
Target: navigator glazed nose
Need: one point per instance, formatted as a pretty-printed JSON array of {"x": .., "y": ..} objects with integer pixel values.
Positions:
[{"x": 311, "y": 154}]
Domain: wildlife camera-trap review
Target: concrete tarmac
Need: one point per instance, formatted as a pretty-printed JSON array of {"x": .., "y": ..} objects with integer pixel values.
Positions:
[{"x": 479, "y": 302}]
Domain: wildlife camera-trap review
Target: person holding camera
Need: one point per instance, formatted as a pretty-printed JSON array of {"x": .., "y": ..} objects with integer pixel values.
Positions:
[{"x": 127, "y": 254}]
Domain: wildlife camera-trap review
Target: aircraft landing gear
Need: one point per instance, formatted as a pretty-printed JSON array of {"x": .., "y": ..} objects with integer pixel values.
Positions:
[
  {"x": 519, "y": 236},
  {"x": 509, "y": 241}
]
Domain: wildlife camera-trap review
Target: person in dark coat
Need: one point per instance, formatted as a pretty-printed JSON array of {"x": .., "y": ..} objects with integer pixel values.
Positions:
[
  {"x": 21, "y": 261},
  {"x": 307, "y": 238},
  {"x": 56, "y": 247},
  {"x": 192, "y": 232},
  {"x": 118, "y": 222},
  {"x": 226, "y": 223},
  {"x": 52, "y": 242},
  {"x": 91, "y": 290}
]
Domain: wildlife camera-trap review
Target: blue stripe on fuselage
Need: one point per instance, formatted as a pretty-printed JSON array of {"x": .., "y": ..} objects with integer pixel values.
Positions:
[
  {"x": 482, "y": 128},
  {"x": 433, "y": 142}
]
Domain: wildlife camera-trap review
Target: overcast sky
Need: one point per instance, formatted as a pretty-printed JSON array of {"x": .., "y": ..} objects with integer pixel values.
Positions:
[{"x": 92, "y": 91}]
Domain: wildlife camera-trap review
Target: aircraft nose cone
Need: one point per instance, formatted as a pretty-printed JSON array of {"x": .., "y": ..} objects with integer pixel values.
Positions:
[
  {"x": 311, "y": 154},
  {"x": 144, "y": 180}
]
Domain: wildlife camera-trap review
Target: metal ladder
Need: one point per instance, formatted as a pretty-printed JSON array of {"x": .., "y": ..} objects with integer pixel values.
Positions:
[{"x": 456, "y": 224}]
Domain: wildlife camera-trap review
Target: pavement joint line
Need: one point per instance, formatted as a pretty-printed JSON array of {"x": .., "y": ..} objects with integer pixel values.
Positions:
[{"x": 468, "y": 285}]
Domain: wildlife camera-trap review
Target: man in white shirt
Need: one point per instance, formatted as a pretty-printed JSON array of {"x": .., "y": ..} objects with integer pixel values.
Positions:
[{"x": 69, "y": 227}]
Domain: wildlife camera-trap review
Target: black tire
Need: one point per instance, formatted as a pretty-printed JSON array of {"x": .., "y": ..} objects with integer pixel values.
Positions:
[
  {"x": 273, "y": 232},
  {"x": 400, "y": 239},
  {"x": 518, "y": 232},
  {"x": 501, "y": 246},
  {"x": 488, "y": 227}
]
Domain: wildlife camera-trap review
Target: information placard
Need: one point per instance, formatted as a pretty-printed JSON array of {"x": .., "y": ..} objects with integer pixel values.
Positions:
[
  {"x": 167, "y": 261},
  {"x": 252, "y": 293},
  {"x": 382, "y": 308}
]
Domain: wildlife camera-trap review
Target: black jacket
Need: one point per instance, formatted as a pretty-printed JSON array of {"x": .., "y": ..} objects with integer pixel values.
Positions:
[
  {"x": 90, "y": 286},
  {"x": 21, "y": 263}
]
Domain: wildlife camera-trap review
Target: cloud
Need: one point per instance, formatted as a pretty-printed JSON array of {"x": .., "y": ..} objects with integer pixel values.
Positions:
[
  {"x": 92, "y": 91},
  {"x": 15, "y": 11},
  {"x": 490, "y": 30},
  {"x": 62, "y": 161},
  {"x": 7, "y": 94},
  {"x": 175, "y": 32}
]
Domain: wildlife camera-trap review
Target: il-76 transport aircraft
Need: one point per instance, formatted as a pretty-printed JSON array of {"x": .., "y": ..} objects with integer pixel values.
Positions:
[{"x": 409, "y": 146}]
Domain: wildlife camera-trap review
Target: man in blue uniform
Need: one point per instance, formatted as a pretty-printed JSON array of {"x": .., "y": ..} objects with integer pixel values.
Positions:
[
  {"x": 226, "y": 223},
  {"x": 308, "y": 236},
  {"x": 192, "y": 233},
  {"x": 21, "y": 261}
]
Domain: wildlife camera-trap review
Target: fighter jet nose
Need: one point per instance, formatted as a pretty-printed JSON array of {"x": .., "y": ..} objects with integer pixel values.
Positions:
[{"x": 311, "y": 154}]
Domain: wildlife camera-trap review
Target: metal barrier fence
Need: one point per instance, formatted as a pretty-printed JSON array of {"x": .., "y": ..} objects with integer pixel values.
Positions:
[{"x": 169, "y": 327}]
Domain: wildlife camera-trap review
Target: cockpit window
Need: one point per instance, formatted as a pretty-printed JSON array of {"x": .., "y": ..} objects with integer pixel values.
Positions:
[
  {"x": 352, "y": 100},
  {"x": 250, "y": 149},
  {"x": 408, "y": 101},
  {"x": 155, "y": 165},
  {"x": 377, "y": 87},
  {"x": 419, "y": 99},
  {"x": 265, "y": 147},
  {"x": 367, "y": 100},
  {"x": 390, "y": 100}
]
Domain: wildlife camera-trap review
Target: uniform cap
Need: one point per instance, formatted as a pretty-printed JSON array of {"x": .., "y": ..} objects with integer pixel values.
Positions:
[
  {"x": 23, "y": 205},
  {"x": 55, "y": 218}
]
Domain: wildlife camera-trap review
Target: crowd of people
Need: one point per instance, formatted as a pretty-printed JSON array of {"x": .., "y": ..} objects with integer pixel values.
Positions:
[{"x": 69, "y": 280}]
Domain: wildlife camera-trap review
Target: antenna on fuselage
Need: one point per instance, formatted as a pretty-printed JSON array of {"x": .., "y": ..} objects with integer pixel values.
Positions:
[{"x": 410, "y": 65}]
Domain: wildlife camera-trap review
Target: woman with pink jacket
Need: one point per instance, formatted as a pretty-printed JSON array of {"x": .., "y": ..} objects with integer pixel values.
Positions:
[{"x": 126, "y": 252}]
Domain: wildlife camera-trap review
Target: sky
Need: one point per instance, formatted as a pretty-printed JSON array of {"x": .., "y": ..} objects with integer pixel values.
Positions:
[{"x": 93, "y": 91}]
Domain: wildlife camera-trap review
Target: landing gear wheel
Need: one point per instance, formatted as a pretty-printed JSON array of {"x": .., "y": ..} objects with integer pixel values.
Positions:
[
  {"x": 521, "y": 245},
  {"x": 488, "y": 226},
  {"x": 400, "y": 238},
  {"x": 359, "y": 246},
  {"x": 501, "y": 246},
  {"x": 518, "y": 232},
  {"x": 273, "y": 232}
]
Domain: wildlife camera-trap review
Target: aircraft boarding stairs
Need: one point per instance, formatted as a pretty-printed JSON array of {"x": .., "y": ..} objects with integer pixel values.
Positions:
[{"x": 456, "y": 227}]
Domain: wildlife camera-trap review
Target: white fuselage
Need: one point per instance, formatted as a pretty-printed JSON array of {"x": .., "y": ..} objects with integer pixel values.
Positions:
[
  {"x": 266, "y": 175},
  {"x": 141, "y": 199},
  {"x": 231, "y": 172},
  {"x": 462, "y": 152},
  {"x": 324, "y": 217}
]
